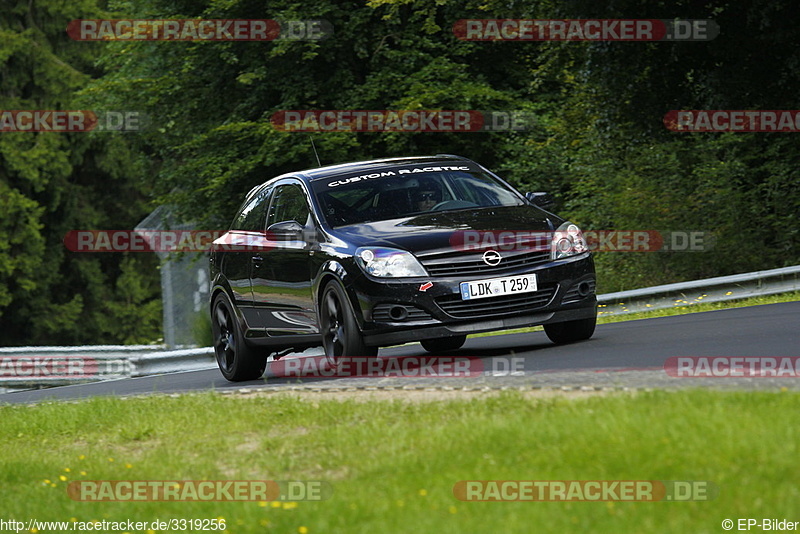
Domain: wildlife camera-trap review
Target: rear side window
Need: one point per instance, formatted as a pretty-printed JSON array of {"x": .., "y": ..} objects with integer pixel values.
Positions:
[{"x": 251, "y": 216}]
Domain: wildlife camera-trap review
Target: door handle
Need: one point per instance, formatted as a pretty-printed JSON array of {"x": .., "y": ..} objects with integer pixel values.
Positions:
[{"x": 257, "y": 259}]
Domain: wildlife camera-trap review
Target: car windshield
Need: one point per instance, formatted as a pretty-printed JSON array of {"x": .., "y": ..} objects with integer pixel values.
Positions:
[{"x": 377, "y": 197}]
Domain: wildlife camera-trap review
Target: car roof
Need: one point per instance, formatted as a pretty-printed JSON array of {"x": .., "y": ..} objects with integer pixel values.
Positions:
[
  {"x": 360, "y": 166},
  {"x": 365, "y": 166}
]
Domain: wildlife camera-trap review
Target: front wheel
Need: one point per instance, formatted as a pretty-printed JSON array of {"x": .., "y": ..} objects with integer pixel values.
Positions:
[
  {"x": 341, "y": 337},
  {"x": 570, "y": 331},
  {"x": 443, "y": 344},
  {"x": 237, "y": 360}
]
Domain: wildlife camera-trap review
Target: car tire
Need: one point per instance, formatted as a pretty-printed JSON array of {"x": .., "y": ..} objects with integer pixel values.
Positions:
[
  {"x": 443, "y": 344},
  {"x": 236, "y": 359},
  {"x": 341, "y": 337},
  {"x": 570, "y": 331}
]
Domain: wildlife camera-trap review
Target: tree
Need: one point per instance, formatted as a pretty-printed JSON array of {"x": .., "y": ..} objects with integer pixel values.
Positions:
[
  {"x": 54, "y": 182},
  {"x": 213, "y": 140}
]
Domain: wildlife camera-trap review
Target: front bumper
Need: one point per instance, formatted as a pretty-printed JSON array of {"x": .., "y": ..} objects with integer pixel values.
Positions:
[{"x": 557, "y": 300}]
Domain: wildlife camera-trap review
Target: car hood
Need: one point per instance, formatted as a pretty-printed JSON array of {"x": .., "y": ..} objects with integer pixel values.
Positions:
[{"x": 440, "y": 230}]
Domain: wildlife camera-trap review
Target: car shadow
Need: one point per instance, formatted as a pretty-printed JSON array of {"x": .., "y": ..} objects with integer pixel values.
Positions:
[{"x": 409, "y": 361}]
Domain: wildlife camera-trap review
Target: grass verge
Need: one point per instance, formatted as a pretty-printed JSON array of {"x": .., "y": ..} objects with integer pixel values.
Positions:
[
  {"x": 687, "y": 307},
  {"x": 392, "y": 464}
]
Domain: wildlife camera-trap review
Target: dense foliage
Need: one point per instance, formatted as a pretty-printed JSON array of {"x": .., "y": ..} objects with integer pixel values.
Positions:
[
  {"x": 598, "y": 143},
  {"x": 51, "y": 183}
]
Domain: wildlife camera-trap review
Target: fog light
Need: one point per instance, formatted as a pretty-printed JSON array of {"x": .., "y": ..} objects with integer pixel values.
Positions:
[
  {"x": 398, "y": 313},
  {"x": 584, "y": 289}
]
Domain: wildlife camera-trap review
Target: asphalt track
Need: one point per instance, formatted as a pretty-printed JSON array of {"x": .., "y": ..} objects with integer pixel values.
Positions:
[{"x": 620, "y": 355}]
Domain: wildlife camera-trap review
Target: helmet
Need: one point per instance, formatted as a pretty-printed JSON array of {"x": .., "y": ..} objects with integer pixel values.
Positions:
[{"x": 427, "y": 190}]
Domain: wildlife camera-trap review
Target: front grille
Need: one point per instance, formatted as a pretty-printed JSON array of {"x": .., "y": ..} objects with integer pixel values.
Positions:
[
  {"x": 382, "y": 313},
  {"x": 495, "y": 306},
  {"x": 473, "y": 264}
]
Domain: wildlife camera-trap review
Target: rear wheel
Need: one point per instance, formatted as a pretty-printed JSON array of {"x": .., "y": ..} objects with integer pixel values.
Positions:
[
  {"x": 571, "y": 331},
  {"x": 341, "y": 337},
  {"x": 237, "y": 360},
  {"x": 443, "y": 344}
]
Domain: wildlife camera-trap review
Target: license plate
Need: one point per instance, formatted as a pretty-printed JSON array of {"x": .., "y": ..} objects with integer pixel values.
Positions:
[{"x": 495, "y": 287}]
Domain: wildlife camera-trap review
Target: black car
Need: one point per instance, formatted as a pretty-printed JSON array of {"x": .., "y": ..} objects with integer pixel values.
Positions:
[{"x": 374, "y": 253}]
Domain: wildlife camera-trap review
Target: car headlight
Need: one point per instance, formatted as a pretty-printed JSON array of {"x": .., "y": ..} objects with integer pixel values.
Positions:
[
  {"x": 388, "y": 262},
  {"x": 568, "y": 240}
]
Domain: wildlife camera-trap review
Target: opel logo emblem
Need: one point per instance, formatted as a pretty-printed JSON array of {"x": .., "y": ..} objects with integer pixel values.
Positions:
[{"x": 491, "y": 257}]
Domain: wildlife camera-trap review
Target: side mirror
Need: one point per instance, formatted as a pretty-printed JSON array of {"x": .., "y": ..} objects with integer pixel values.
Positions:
[
  {"x": 540, "y": 199},
  {"x": 286, "y": 230}
]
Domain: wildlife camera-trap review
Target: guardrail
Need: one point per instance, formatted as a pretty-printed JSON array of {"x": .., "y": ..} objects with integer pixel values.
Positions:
[
  {"x": 718, "y": 289},
  {"x": 53, "y": 366},
  {"x": 58, "y": 366},
  {"x": 170, "y": 361}
]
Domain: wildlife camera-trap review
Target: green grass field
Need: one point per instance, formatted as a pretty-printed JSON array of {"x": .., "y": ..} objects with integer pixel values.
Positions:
[{"x": 392, "y": 465}]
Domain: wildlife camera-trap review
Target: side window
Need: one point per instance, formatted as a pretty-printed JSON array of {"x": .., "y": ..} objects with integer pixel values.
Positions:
[
  {"x": 288, "y": 204},
  {"x": 251, "y": 216}
]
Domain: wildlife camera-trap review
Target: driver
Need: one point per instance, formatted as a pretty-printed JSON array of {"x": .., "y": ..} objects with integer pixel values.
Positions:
[{"x": 426, "y": 197}]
